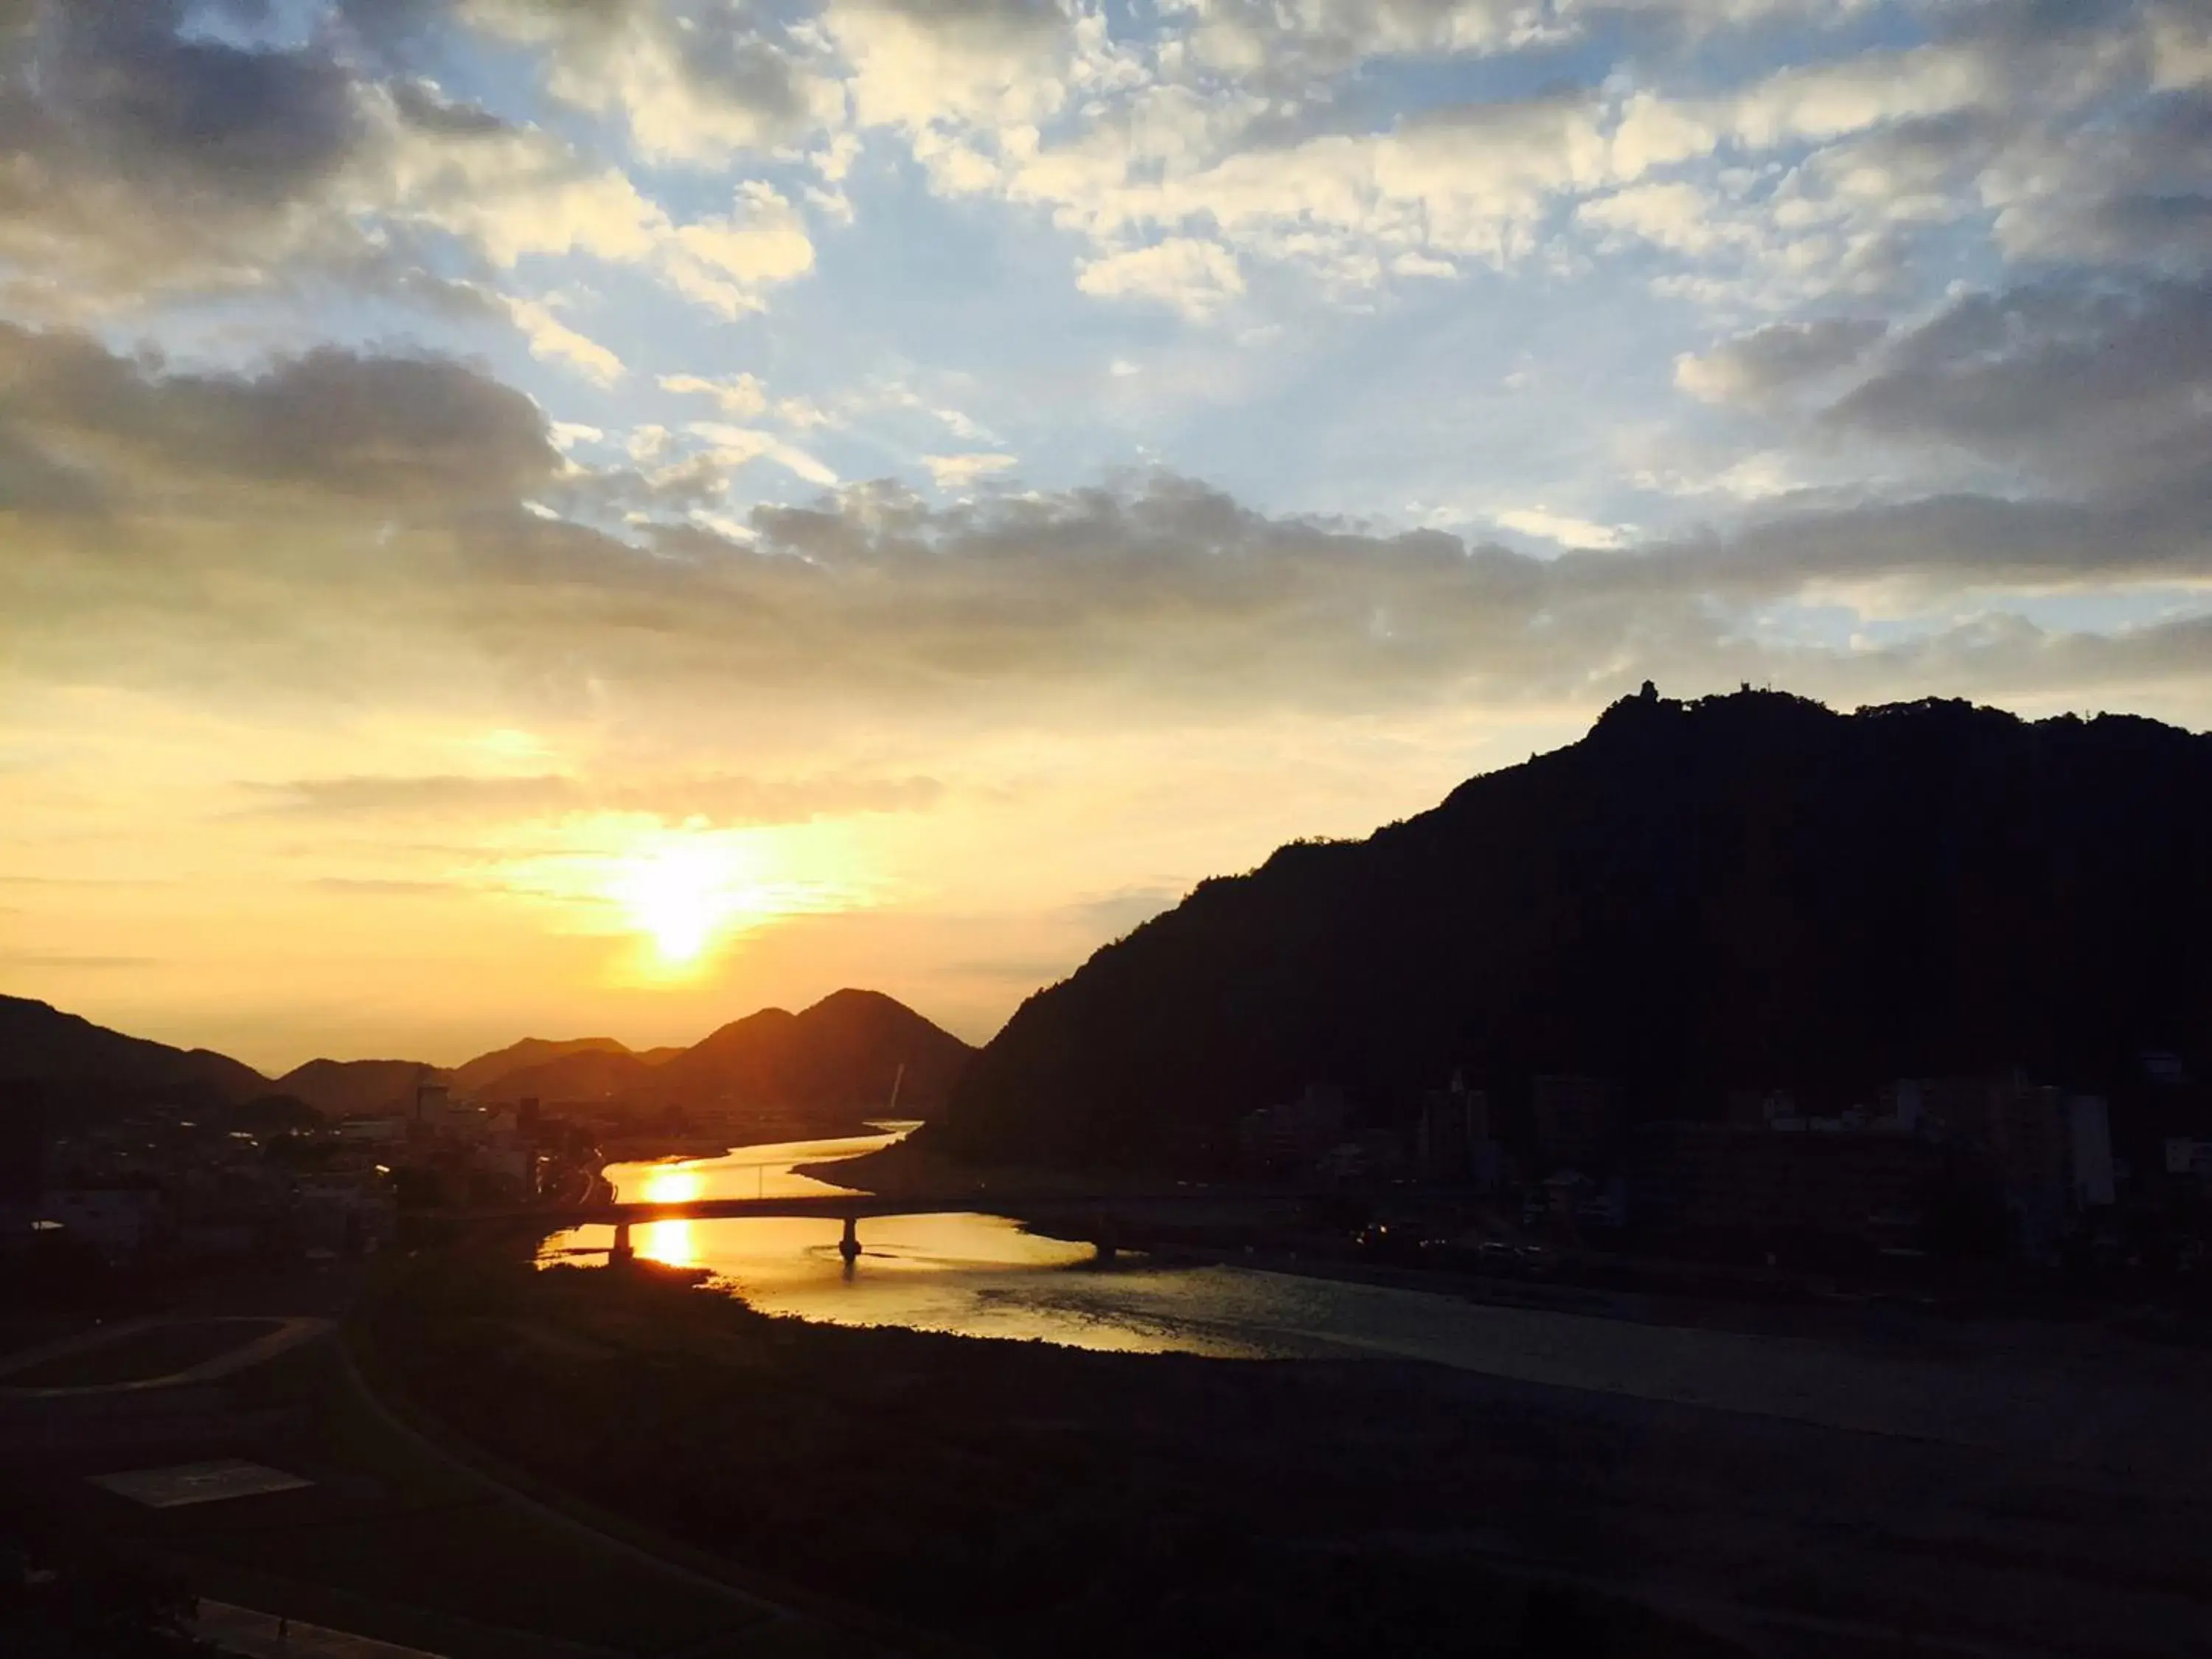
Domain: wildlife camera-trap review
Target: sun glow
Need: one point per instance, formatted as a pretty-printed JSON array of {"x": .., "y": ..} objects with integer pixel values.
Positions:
[
  {"x": 673, "y": 1185},
  {"x": 689, "y": 892},
  {"x": 684, "y": 891}
]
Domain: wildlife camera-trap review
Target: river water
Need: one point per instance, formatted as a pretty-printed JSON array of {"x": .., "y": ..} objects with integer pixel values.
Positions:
[
  {"x": 973, "y": 1275},
  {"x": 981, "y": 1275}
]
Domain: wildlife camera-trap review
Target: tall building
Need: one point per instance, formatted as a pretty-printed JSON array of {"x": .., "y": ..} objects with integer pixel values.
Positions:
[
  {"x": 1290, "y": 1138},
  {"x": 1452, "y": 1145},
  {"x": 1724, "y": 1179},
  {"x": 2090, "y": 1147}
]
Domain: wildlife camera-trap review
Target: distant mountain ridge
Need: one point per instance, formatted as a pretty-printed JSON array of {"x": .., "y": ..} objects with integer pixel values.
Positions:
[
  {"x": 531, "y": 1053},
  {"x": 839, "y": 1058},
  {"x": 355, "y": 1088},
  {"x": 1750, "y": 889},
  {"x": 836, "y": 1060}
]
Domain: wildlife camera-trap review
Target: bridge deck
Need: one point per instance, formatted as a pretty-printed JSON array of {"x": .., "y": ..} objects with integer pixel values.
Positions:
[{"x": 839, "y": 1206}]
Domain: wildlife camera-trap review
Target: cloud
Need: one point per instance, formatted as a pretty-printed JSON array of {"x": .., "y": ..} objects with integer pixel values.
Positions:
[
  {"x": 2099, "y": 385},
  {"x": 1755, "y": 369},
  {"x": 697, "y": 84},
  {"x": 68, "y": 961},
  {"x": 741, "y": 396},
  {"x": 1561, "y": 527},
  {"x": 143, "y": 159},
  {"x": 916, "y": 64},
  {"x": 334, "y": 521},
  {"x": 131, "y": 155},
  {"x": 554, "y": 340},
  {"x": 962, "y": 472},
  {"x": 1472, "y": 181},
  {"x": 727, "y": 263},
  {"x": 731, "y": 447},
  {"x": 1191, "y": 276},
  {"x": 399, "y": 431},
  {"x": 724, "y": 799}
]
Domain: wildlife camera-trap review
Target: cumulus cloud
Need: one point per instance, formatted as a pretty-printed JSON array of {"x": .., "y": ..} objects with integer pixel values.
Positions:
[
  {"x": 143, "y": 159},
  {"x": 921, "y": 64},
  {"x": 730, "y": 262},
  {"x": 696, "y": 84},
  {"x": 1185, "y": 275}
]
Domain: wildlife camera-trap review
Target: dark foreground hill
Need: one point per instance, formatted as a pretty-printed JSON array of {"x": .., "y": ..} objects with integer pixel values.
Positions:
[
  {"x": 1748, "y": 891},
  {"x": 73, "y": 1061}
]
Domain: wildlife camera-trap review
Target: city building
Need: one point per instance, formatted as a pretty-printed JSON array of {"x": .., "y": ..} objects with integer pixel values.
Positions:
[
  {"x": 1289, "y": 1140},
  {"x": 122, "y": 1223},
  {"x": 2089, "y": 1151},
  {"x": 1576, "y": 1122},
  {"x": 1452, "y": 1141},
  {"x": 2188, "y": 1157},
  {"x": 1726, "y": 1179}
]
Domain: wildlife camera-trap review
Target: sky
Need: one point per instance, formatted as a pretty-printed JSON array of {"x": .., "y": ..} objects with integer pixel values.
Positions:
[{"x": 591, "y": 517}]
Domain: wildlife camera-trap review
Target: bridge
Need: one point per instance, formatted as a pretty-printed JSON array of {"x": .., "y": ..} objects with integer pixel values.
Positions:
[{"x": 1103, "y": 1219}]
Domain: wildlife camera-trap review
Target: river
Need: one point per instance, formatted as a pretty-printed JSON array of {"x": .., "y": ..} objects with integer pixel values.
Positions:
[{"x": 2012, "y": 1386}]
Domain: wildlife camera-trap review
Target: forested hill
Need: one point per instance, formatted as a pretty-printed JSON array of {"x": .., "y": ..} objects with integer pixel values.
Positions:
[{"x": 1746, "y": 890}]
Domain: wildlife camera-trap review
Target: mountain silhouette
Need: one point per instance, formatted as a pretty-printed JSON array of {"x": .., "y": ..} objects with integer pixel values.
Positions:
[
  {"x": 837, "y": 1058},
  {"x": 1745, "y": 890},
  {"x": 836, "y": 1062},
  {"x": 582, "y": 1075},
  {"x": 473, "y": 1077},
  {"x": 352, "y": 1088},
  {"x": 76, "y": 1061}
]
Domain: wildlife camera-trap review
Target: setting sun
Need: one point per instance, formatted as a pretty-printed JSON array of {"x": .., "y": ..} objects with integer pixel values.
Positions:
[{"x": 687, "y": 891}]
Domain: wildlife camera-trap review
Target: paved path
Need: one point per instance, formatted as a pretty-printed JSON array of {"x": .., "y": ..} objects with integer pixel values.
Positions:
[{"x": 289, "y": 1333}]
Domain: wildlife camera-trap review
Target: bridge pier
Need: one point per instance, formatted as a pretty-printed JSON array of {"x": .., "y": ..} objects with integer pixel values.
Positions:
[
  {"x": 849, "y": 1245},
  {"x": 1105, "y": 1243},
  {"x": 623, "y": 1252}
]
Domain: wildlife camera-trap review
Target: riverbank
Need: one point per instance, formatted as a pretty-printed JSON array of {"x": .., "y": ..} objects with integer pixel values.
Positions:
[
  {"x": 1023, "y": 1498},
  {"x": 1018, "y": 1498}
]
